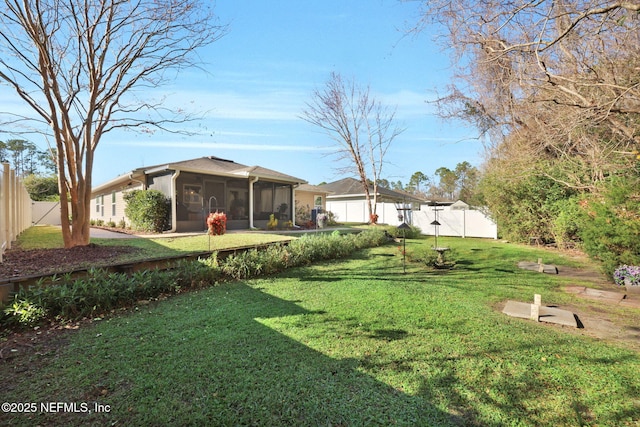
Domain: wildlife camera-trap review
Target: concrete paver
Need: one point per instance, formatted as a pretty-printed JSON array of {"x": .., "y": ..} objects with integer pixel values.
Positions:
[
  {"x": 620, "y": 298},
  {"x": 546, "y": 314},
  {"x": 542, "y": 268}
]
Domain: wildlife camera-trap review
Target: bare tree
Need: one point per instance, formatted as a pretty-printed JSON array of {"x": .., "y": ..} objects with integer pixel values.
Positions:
[
  {"x": 561, "y": 75},
  {"x": 80, "y": 66},
  {"x": 362, "y": 127}
]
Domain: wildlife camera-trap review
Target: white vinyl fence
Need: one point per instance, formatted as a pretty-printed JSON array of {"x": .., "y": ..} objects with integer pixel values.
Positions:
[
  {"x": 357, "y": 211},
  {"x": 46, "y": 213},
  {"x": 455, "y": 222},
  {"x": 15, "y": 208}
]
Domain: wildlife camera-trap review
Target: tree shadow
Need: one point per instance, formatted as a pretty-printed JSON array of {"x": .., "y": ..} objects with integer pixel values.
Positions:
[
  {"x": 388, "y": 334},
  {"x": 220, "y": 364}
]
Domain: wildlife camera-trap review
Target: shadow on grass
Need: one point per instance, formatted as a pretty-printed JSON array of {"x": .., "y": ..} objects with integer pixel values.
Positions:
[
  {"x": 209, "y": 359},
  {"x": 389, "y": 334}
]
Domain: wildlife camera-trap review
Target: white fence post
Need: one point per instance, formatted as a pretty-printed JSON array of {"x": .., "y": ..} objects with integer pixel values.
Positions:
[{"x": 15, "y": 208}]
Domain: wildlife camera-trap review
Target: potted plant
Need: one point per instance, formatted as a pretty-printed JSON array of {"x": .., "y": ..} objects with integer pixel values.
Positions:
[{"x": 629, "y": 277}]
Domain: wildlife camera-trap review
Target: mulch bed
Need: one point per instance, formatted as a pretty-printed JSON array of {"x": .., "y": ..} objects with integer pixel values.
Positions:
[{"x": 21, "y": 263}]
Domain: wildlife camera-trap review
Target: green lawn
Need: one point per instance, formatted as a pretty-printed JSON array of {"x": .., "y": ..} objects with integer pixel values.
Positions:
[
  {"x": 353, "y": 342},
  {"x": 49, "y": 237}
]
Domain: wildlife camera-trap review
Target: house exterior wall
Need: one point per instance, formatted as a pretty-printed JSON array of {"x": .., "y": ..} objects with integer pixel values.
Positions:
[
  {"x": 305, "y": 201},
  {"x": 109, "y": 205},
  {"x": 198, "y": 194}
]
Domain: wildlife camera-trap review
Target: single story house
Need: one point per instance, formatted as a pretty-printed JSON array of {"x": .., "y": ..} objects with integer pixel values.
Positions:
[
  {"x": 347, "y": 201},
  {"x": 247, "y": 194}
]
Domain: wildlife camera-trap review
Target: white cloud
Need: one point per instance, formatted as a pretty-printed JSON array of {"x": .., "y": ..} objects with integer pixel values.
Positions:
[
  {"x": 221, "y": 146},
  {"x": 409, "y": 104},
  {"x": 273, "y": 105}
]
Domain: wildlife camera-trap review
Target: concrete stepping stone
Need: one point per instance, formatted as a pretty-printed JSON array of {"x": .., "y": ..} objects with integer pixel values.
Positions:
[
  {"x": 597, "y": 294},
  {"x": 545, "y": 314},
  {"x": 539, "y": 267}
]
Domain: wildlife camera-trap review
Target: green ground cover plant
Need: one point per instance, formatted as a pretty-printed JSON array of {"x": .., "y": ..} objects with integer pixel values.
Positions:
[{"x": 347, "y": 342}]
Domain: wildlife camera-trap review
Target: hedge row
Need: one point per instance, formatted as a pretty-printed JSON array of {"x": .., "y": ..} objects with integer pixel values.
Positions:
[{"x": 100, "y": 292}]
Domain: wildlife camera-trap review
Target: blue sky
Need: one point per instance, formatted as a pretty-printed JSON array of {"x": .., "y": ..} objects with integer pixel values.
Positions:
[{"x": 263, "y": 71}]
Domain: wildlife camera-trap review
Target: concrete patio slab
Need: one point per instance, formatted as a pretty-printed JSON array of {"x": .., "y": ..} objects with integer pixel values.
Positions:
[{"x": 546, "y": 314}]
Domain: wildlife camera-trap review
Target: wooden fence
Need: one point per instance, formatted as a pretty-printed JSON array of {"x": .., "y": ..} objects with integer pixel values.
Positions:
[{"x": 15, "y": 208}]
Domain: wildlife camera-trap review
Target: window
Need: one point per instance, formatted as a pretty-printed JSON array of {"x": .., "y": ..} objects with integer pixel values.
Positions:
[
  {"x": 113, "y": 204},
  {"x": 317, "y": 201},
  {"x": 100, "y": 205},
  {"x": 191, "y": 195}
]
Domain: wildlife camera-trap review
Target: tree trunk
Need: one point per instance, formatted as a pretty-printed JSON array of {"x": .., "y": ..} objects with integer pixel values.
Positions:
[{"x": 75, "y": 223}]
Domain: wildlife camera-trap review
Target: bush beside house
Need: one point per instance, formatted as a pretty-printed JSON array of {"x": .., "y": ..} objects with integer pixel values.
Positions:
[{"x": 148, "y": 210}]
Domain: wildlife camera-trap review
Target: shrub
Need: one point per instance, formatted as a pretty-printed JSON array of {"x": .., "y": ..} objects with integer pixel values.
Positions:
[
  {"x": 332, "y": 219},
  {"x": 41, "y": 188},
  {"x": 565, "y": 227},
  {"x": 524, "y": 205},
  {"x": 303, "y": 214},
  {"x": 242, "y": 265},
  {"x": 23, "y": 312},
  {"x": 299, "y": 252},
  {"x": 412, "y": 233},
  {"x": 199, "y": 274},
  {"x": 610, "y": 224},
  {"x": 148, "y": 210},
  {"x": 433, "y": 259}
]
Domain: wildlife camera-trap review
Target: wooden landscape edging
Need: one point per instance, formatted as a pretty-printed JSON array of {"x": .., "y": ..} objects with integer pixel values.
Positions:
[{"x": 10, "y": 286}]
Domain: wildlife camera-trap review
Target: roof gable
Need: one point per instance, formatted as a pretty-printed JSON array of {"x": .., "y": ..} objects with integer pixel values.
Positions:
[
  {"x": 208, "y": 165},
  {"x": 351, "y": 187},
  {"x": 312, "y": 189}
]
